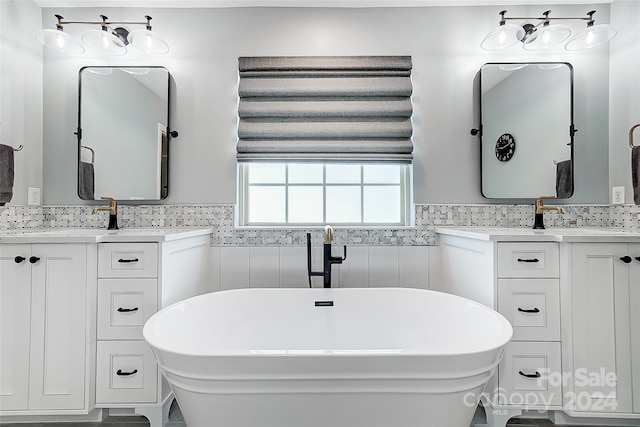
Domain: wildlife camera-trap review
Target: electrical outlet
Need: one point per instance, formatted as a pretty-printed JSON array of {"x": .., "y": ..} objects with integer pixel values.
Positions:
[
  {"x": 33, "y": 196},
  {"x": 617, "y": 195}
]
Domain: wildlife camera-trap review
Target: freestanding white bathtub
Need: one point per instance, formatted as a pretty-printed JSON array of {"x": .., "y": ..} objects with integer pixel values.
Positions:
[{"x": 390, "y": 357}]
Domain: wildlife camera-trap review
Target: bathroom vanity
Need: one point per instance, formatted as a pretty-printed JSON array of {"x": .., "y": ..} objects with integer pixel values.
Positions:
[
  {"x": 73, "y": 304},
  {"x": 572, "y": 297}
]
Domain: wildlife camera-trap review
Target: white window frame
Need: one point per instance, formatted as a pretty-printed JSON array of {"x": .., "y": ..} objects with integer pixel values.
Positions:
[{"x": 406, "y": 202}]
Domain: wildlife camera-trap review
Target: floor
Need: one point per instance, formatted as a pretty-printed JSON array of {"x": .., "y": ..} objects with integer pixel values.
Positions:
[{"x": 175, "y": 420}]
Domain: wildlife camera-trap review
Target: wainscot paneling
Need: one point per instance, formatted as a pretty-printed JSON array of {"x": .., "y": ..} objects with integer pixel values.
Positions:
[{"x": 286, "y": 267}]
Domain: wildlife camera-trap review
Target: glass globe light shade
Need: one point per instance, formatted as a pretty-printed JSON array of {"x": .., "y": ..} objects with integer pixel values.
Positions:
[
  {"x": 547, "y": 36},
  {"x": 59, "y": 40},
  {"x": 502, "y": 37},
  {"x": 147, "y": 41},
  {"x": 592, "y": 36},
  {"x": 104, "y": 42}
]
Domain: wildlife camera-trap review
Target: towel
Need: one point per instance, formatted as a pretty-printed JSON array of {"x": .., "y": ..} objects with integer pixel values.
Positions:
[
  {"x": 6, "y": 174},
  {"x": 564, "y": 179},
  {"x": 86, "y": 181},
  {"x": 635, "y": 173}
]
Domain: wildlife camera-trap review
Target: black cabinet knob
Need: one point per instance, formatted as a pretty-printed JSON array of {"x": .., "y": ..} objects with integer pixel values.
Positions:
[
  {"x": 33, "y": 259},
  {"x": 638, "y": 258},
  {"x": 19, "y": 259},
  {"x": 625, "y": 259}
]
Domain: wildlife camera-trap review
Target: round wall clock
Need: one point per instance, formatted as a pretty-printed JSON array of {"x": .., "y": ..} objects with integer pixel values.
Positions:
[{"x": 505, "y": 147}]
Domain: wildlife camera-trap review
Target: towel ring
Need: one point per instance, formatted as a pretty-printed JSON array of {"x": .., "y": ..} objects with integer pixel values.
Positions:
[
  {"x": 631, "y": 134},
  {"x": 20, "y": 147},
  {"x": 93, "y": 153}
]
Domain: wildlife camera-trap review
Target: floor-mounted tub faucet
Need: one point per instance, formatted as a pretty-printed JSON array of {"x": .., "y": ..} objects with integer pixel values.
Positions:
[{"x": 329, "y": 260}]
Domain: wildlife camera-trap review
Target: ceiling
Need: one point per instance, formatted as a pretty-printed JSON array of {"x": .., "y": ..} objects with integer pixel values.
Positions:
[{"x": 298, "y": 3}]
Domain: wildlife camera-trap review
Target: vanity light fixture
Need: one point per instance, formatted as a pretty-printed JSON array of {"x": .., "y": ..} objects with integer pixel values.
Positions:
[
  {"x": 108, "y": 40},
  {"x": 542, "y": 34}
]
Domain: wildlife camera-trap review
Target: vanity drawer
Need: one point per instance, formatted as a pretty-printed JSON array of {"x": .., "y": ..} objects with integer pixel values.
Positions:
[
  {"x": 528, "y": 260},
  {"x": 532, "y": 306},
  {"x": 124, "y": 305},
  {"x": 524, "y": 374},
  {"x": 126, "y": 371},
  {"x": 127, "y": 260}
]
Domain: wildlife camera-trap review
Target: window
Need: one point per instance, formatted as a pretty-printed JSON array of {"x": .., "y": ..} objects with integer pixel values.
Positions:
[
  {"x": 310, "y": 193},
  {"x": 324, "y": 140}
]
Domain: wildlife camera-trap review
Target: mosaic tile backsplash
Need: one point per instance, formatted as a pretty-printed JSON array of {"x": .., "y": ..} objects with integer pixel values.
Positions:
[{"x": 221, "y": 219}]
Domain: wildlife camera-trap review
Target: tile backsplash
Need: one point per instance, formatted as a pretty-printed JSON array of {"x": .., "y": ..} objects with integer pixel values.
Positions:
[{"x": 221, "y": 218}]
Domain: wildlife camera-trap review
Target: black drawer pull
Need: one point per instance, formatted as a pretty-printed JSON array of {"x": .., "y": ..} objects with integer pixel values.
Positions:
[
  {"x": 638, "y": 258},
  {"x": 128, "y": 260},
  {"x": 34, "y": 259},
  {"x": 528, "y": 260},
  {"x": 19, "y": 259},
  {"x": 536, "y": 375},
  {"x": 126, "y": 374},
  {"x": 127, "y": 310},
  {"x": 529, "y": 310},
  {"x": 625, "y": 259}
]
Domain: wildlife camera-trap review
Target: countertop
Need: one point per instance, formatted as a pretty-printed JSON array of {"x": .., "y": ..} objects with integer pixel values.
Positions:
[
  {"x": 578, "y": 234},
  {"x": 96, "y": 235}
]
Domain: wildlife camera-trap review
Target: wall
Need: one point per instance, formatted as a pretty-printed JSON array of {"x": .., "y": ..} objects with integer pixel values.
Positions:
[
  {"x": 205, "y": 45},
  {"x": 21, "y": 92},
  {"x": 624, "y": 84}
]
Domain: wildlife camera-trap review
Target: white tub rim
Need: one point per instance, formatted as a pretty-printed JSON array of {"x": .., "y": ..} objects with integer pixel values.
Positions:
[{"x": 506, "y": 333}]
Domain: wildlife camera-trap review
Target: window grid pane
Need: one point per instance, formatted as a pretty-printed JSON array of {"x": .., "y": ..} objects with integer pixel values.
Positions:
[{"x": 378, "y": 197}]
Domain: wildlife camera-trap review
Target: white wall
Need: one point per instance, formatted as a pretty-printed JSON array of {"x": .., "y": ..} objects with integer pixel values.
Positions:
[
  {"x": 443, "y": 41},
  {"x": 21, "y": 92},
  {"x": 624, "y": 84}
]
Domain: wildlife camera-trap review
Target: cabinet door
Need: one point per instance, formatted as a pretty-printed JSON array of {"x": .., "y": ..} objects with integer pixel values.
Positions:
[
  {"x": 15, "y": 303},
  {"x": 634, "y": 300},
  {"x": 601, "y": 342},
  {"x": 58, "y": 327}
]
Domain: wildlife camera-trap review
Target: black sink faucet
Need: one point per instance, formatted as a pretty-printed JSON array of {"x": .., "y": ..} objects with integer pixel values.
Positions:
[{"x": 329, "y": 260}]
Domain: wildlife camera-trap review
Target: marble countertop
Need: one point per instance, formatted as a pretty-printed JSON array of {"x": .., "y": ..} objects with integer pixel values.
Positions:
[
  {"x": 96, "y": 235},
  {"x": 580, "y": 234}
]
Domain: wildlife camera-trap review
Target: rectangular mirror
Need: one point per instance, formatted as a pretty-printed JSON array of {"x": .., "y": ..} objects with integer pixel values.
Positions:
[
  {"x": 123, "y": 122},
  {"x": 527, "y": 130}
]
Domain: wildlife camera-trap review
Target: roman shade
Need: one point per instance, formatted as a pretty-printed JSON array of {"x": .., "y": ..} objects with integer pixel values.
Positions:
[{"x": 325, "y": 108}]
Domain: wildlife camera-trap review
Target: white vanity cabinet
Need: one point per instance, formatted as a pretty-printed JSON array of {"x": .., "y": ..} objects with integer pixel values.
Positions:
[
  {"x": 521, "y": 280},
  {"x": 126, "y": 371},
  {"x": 603, "y": 362},
  {"x": 72, "y": 306},
  {"x": 45, "y": 337},
  {"x": 573, "y": 299},
  {"x": 136, "y": 279},
  {"x": 528, "y": 295}
]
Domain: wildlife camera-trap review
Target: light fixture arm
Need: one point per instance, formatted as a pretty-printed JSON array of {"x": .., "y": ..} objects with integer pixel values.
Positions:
[
  {"x": 547, "y": 18},
  {"x": 104, "y": 21}
]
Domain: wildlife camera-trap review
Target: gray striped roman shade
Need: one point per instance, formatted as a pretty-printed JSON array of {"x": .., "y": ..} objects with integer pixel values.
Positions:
[{"x": 325, "y": 108}]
